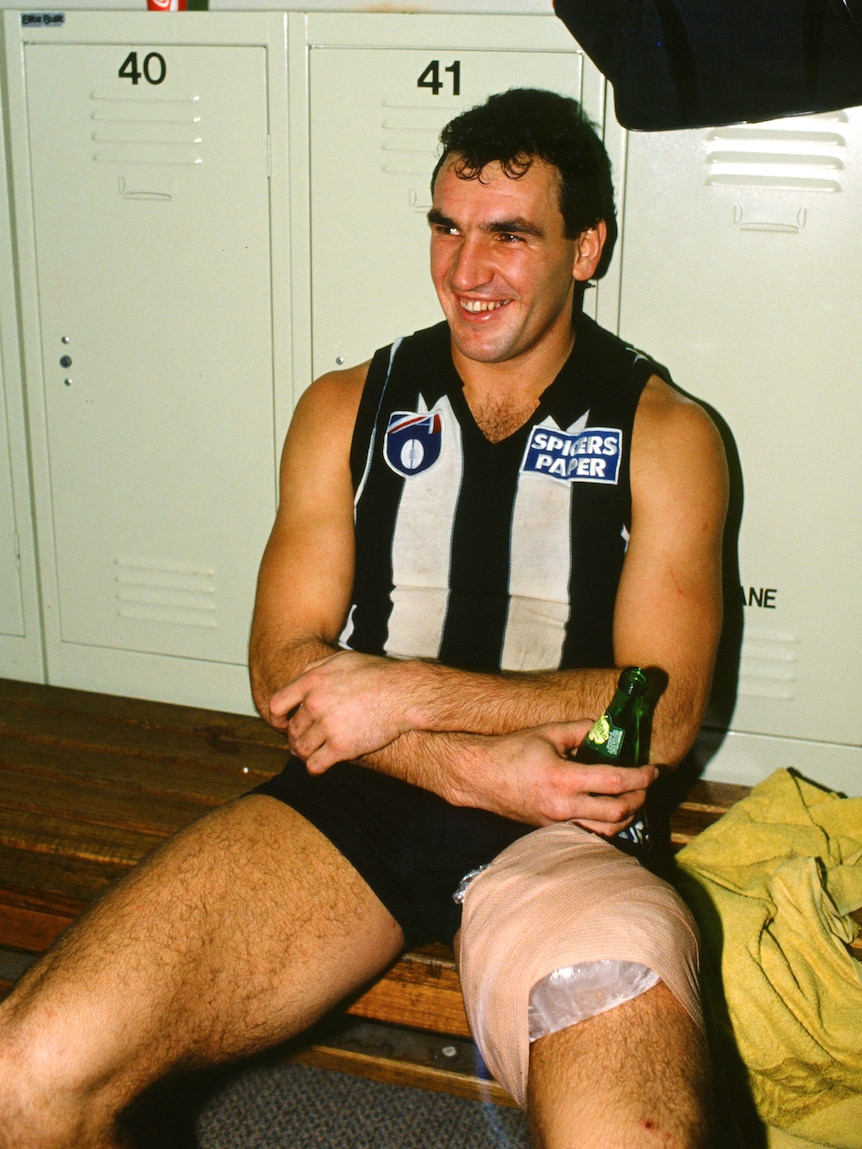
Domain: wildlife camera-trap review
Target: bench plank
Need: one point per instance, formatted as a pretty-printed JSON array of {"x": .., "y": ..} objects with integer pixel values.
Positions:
[{"x": 421, "y": 990}]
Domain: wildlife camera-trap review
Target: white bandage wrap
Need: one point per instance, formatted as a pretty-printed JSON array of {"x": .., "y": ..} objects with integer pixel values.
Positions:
[{"x": 558, "y": 897}]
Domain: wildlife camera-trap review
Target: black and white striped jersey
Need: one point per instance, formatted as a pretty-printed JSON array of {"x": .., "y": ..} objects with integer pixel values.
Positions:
[{"x": 485, "y": 555}]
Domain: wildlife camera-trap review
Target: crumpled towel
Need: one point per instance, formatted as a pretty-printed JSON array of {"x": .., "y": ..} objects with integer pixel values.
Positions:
[{"x": 773, "y": 883}]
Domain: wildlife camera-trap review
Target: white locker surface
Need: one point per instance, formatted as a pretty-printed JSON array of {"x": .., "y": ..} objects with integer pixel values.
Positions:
[
  {"x": 11, "y": 599},
  {"x": 379, "y": 91},
  {"x": 11, "y": 603},
  {"x": 20, "y": 625},
  {"x": 742, "y": 251},
  {"x": 148, "y": 167}
]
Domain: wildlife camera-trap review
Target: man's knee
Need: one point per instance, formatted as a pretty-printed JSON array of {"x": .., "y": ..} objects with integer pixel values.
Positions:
[
  {"x": 556, "y": 900},
  {"x": 45, "y": 1099}
]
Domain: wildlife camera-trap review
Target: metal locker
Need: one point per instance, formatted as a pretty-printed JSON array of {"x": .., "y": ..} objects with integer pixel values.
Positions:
[
  {"x": 380, "y": 88},
  {"x": 146, "y": 157},
  {"x": 741, "y": 268},
  {"x": 20, "y": 626}
]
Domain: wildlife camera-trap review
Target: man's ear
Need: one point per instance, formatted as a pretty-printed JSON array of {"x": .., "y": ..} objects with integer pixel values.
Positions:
[{"x": 588, "y": 251}]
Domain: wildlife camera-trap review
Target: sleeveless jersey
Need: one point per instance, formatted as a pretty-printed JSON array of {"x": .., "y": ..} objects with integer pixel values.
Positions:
[{"x": 490, "y": 556}]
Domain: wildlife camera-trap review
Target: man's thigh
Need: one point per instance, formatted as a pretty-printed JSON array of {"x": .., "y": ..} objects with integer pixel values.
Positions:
[{"x": 234, "y": 935}]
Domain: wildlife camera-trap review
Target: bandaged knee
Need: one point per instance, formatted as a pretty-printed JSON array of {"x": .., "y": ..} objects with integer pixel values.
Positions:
[{"x": 562, "y": 926}]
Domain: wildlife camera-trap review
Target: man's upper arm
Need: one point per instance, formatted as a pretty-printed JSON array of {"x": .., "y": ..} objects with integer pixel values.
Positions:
[
  {"x": 306, "y": 574},
  {"x": 669, "y": 604}
]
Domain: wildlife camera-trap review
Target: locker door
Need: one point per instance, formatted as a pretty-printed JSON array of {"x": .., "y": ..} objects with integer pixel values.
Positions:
[
  {"x": 11, "y": 603},
  {"x": 20, "y": 631},
  {"x": 376, "y": 114},
  {"x": 151, "y": 216},
  {"x": 741, "y": 271}
]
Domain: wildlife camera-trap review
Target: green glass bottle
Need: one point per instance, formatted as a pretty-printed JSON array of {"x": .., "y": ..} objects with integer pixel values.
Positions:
[{"x": 619, "y": 738}]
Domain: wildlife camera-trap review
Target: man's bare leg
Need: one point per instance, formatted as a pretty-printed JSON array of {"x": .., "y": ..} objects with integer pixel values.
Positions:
[
  {"x": 235, "y": 935},
  {"x": 634, "y": 1077}
]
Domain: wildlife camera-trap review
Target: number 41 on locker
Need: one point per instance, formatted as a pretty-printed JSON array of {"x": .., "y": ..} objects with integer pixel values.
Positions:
[{"x": 430, "y": 78}]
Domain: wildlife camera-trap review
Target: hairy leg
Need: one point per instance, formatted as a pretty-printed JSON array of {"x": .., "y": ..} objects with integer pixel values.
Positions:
[
  {"x": 634, "y": 1077},
  {"x": 234, "y": 935}
]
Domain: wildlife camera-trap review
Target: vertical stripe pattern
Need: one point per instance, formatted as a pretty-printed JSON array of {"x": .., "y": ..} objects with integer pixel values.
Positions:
[
  {"x": 475, "y": 555},
  {"x": 421, "y": 549}
]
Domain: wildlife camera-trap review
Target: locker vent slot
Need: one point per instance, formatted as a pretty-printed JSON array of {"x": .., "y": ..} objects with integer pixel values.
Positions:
[
  {"x": 410, "y": 135},
  {"x": 768, "y": 665},
  {"x": 146, "y": 130},
  {"x": 791, "y": 155},
  {"x": 151, "y": 591}
]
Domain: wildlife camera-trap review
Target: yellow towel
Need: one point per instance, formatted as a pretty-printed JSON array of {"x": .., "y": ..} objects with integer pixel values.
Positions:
[{"x": 774, "y": 881}]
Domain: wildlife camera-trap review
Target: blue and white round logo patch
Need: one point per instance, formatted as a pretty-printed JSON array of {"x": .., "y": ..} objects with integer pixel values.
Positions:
[{"x": 413, "y": 442}]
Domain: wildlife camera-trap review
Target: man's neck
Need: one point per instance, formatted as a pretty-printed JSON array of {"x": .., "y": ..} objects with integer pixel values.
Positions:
[{"x": 502, "y": 396}]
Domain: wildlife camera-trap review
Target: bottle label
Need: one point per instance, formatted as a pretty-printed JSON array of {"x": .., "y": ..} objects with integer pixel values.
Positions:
[
  {"x": 599, "y": 731},
  {"x": 615, "y": 740},
  {"x": 605, "y": 736}
]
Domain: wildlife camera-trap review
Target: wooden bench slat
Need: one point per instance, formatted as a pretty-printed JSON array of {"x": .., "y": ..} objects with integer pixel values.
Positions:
[
  {"x": 53, "y": 835},
  {"x": 145, "y": 744},
  {"x": 396, "y": 1071},
  {"x": 199, "y": 780},
  {"x": 50, "y": 882},
  {"x": 421, "y": 990},
  {"x": 49, "y": 705},
  {"x": 97, "y": 802},
  {"x": 29, "y": 929}
]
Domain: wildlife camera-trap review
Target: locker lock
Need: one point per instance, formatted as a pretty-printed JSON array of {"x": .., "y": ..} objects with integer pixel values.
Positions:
[{"x": 65, "y": 361}]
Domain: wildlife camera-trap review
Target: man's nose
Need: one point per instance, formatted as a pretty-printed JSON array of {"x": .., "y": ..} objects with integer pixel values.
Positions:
[{"x": 472, "y": 266}]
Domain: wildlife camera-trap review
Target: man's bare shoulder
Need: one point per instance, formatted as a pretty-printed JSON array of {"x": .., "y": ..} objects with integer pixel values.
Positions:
[
  {"x": 664, "y": 410},
  {"x": 335, "y": 392},
  {"x": 327, "y": 408},
  {"x": 676, "y": 438}
]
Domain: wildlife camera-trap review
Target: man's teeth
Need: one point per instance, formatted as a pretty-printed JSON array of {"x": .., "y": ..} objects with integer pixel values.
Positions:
[{"x": 475, "y": 305}]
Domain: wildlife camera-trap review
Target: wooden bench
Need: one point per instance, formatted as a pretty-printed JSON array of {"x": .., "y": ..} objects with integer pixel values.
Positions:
[{"x": 91, "y": 783}]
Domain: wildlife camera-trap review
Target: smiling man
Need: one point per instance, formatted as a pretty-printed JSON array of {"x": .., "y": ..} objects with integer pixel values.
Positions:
[{"x": 476, "y": 529}]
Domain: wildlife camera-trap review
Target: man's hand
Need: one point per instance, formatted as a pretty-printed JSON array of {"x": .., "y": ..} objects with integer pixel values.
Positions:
[
  {"x": 342, "y": 708},
  {"x": 530, "y": 776}
]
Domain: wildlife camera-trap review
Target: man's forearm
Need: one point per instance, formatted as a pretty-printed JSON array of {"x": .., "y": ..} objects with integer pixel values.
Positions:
[
  {"x": 273, "y": 664},
  {"x": 530, "y": 776},
  {"x": 444, "y": 699},
  {"x": 353, "y": 705}
]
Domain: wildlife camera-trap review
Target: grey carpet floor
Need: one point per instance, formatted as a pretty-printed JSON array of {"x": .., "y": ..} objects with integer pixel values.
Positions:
[
  {"x": 299, "y": 1107},
  {"x": 283, "y": 1106}
]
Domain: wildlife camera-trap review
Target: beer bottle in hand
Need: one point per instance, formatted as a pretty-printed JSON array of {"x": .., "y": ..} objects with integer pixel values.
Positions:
[{"x": 619, "y": 738}]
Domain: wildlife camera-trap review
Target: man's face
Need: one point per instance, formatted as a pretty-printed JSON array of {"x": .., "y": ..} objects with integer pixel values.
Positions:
[{"x": 501, "y": 263}]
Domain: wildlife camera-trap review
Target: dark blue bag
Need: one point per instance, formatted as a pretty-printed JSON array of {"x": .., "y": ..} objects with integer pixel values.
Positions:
[{"x": 704, "y": 63}]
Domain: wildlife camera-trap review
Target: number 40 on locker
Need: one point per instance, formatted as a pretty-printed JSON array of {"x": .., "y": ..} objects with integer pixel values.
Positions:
[{"x": 153, "y": 70}]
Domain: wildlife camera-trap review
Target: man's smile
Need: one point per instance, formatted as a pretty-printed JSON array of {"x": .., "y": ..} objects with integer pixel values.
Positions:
[{"x": 475, "y": 306}]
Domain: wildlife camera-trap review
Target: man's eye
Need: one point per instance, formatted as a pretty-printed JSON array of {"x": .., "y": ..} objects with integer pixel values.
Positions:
[{"x": 510, "y": 237}]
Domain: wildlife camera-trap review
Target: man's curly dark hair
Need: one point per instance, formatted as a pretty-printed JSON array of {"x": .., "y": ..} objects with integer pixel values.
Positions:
[{"x": 515, "y": 128}]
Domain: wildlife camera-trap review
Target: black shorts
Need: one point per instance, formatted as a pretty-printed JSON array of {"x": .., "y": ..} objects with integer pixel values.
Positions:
[{"x": 410, "y": 846}]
